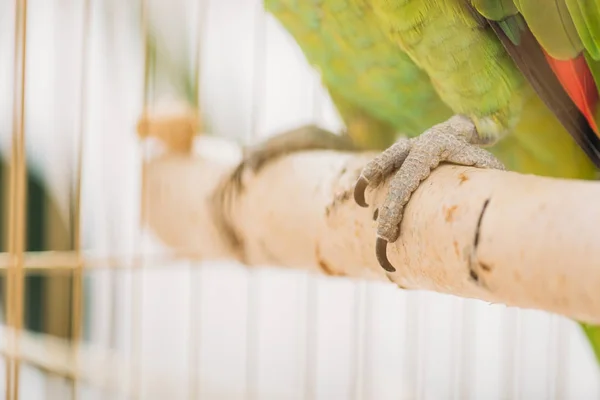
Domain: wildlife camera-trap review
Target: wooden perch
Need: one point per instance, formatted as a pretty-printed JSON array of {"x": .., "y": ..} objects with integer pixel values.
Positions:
[{"x": 501, "y": 237}]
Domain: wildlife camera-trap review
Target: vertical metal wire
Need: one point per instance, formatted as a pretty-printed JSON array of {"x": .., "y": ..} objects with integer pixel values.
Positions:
[
  {"x": 113, "y": 292},
  {"x": 252, "y": 336},
  {"x": 18, "y": 173},
  {"x": 252, "y": 312},
  {"x": 196, "y": 273},
  {"x": 368, "y": 343},
  {"x": 553, "y": 357},
  {"x": 561, "y": 351},
  {"x": 312, "y": 332},
  {"x": 356, "y": 341},
  {"x": 462, "y": 357},
  {"x": 311, "y": 320},
  {"x": 201, "y": 23},
  {"x": 511, "y": 351},
  {"x": 361, "y": 341},
  {"x": 414, "y": 362},
  {"x": 456, "y": 367},
  {"x": 195, "y": 326},
  {"x": 138, "y": 262},
  {"x": 422, "y": 326},
  {"x": 77, "y": 278}
]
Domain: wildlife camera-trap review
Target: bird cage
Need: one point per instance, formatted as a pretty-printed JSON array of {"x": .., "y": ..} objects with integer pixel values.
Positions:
[{"x": 103, "y": 295}]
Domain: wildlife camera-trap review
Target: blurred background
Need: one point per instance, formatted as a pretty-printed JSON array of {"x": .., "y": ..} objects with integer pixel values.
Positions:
[{"x": 176, "y": 329}]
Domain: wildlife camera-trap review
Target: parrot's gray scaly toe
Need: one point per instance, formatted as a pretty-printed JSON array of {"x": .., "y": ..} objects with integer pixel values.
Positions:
[
  {"x": 380, "y": 168},
  {"x": 410, "y": 161}
]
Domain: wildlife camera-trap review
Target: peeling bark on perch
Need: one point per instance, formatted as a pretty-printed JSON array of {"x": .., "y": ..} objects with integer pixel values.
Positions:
[{"x": 501, "y": 237}]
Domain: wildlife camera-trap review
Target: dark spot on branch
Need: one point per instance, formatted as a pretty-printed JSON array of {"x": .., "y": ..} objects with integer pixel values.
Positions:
[
  {"x": 391, "y": 279},
  {"x": 478, "y": 227},
  {"x": 474, "y": 275},
  {"x": 376, "y": 214},
  {"x": 449, "y": 213},
  {"x": 485, "y": 267},
  {"x": 345, "y": 196},
  {"x": 325, "y": 268},
  {"x": 337, "y": 201},
  {"x": 472, "y": 260},
  {"x": 456, "y": 250},
  {"x": 462, "y": 178}
]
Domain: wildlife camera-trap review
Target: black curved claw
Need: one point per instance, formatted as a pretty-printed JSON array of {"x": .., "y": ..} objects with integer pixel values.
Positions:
[
  {"x": 359, "y": 191},
  {"x": 381, "y": 253}
]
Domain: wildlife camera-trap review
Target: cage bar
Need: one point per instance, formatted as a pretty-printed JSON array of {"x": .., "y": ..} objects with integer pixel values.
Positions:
[{"x": 16, "y": 277}]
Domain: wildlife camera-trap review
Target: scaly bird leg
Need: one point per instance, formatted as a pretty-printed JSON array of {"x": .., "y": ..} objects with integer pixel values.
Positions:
[
  {"x": 411, "y": 161},
  {"x": 308, "y": 137}
]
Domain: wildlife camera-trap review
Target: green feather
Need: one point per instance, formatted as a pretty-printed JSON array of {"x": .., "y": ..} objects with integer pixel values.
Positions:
[
  {"x": 495, "y": 10},
  {"x": 586, "y": 16},
  {"x": 593, "y": 334},
  {"x": 512, "y": 27},
  {"x": 594, "y": 67},
  {"x": 553, "y": 28}
]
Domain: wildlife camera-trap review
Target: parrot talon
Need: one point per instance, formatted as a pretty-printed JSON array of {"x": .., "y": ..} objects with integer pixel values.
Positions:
[
  {"x": 381, "y": 253},
  {"x": 359, "y": 191},
  {"x": 409, "y": 162}
]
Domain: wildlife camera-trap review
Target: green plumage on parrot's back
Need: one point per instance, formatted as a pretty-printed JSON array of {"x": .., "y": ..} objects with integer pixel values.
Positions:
[
  {"x": 345, "y": 41},
  {"x": 355, "y": 45},
  {"x": 553, "y": 45},
  {"x": 564, "y": 28}
]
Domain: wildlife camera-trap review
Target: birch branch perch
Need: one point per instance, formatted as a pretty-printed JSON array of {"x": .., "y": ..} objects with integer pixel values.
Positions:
[{"x": 501, "y": 237}]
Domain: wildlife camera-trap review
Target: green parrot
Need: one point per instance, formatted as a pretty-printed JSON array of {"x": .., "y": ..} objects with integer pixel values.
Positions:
[{"x": 430, "y": 81}]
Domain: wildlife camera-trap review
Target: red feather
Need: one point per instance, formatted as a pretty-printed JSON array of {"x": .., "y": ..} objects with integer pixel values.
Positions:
[{"x": 577, "y": 80}]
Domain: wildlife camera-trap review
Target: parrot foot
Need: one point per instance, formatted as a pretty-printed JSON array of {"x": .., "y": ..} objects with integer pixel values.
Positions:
[
  {"x": 411, "y": 161},
  {"x": 304, "y": 138}
]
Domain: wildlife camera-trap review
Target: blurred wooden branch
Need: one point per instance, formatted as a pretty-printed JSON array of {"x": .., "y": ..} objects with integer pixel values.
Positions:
[{"x": 497, "y": 236}]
